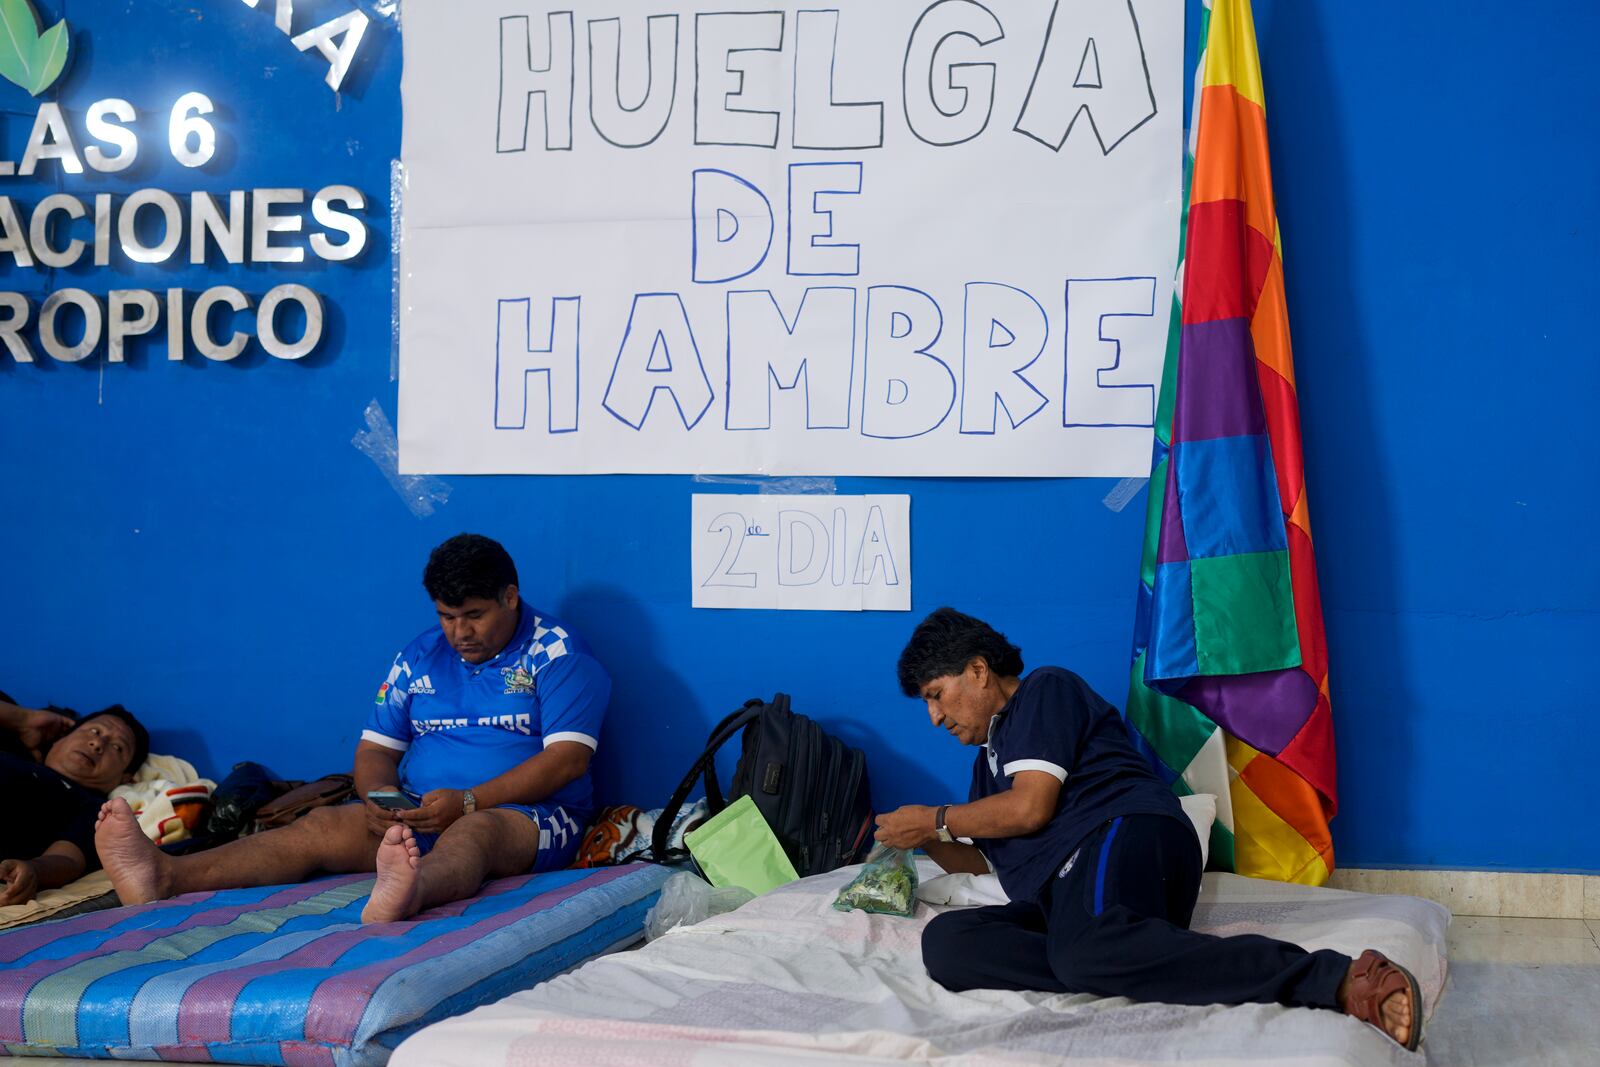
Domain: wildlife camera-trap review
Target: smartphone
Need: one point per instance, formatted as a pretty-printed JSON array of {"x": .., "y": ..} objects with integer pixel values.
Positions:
[{"x": 391, "y": 800}]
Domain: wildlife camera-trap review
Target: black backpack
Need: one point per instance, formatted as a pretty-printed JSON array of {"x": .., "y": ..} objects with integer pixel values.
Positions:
[{"x": 810, "y": 786}]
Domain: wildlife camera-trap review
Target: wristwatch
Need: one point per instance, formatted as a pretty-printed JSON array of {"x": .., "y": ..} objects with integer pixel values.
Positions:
[
  {"x": 469, "y": 802},
  {"x": 940, "y": 827}
]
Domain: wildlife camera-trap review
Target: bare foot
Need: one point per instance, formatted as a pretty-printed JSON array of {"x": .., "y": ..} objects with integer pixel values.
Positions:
[
  {"x": 140, "y": 872},
  {"x": 394, "y": 894}
]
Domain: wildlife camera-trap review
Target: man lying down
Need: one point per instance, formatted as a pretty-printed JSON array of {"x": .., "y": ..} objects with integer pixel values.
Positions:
[
  {"x": 477, "y": 752},
  {"x": 1101, "y": 865},
  {"x": 55, "y": 772}
]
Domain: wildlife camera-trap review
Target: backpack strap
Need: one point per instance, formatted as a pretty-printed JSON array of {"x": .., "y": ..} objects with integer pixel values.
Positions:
[{"x": 705, "y": 766}]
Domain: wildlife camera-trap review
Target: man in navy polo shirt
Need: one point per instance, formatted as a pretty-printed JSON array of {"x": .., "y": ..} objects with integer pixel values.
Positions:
[
  {"x": 485, "y": 726},
  {"x": 1100, "y": 863}
]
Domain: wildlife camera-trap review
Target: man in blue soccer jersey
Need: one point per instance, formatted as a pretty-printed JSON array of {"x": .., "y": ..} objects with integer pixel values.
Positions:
[
  {"x": 1100, "y": 863},
  {"x": 484, "y": 728}
]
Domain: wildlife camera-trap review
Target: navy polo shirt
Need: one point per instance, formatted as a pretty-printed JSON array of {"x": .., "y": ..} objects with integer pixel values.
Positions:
[
  {"x": 1055, "y": 723},
  {"x": 43, "y": 807}
]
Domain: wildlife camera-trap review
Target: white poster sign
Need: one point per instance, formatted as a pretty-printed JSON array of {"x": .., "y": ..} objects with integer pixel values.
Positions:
[
  {"x": 883, "y": 237},
  {"x": 818, "y": 553}
]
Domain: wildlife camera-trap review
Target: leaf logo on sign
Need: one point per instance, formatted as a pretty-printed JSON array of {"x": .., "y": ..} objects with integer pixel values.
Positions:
[{"x": 29, "y": 58}]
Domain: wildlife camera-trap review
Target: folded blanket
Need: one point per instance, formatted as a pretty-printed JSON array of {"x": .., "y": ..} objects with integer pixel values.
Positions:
[{"x": 168, "y": 797}]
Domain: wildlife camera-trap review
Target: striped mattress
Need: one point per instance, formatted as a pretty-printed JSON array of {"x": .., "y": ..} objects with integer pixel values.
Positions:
[{"x": 289, "y": 975}]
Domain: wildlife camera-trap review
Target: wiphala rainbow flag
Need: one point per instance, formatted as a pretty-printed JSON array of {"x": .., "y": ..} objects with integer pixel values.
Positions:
[{"x": 1230, "y": 674}]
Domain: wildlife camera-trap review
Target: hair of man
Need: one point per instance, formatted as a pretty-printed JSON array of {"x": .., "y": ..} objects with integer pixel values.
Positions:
[
  {"x": 945, "y": 642},
  {"x": 468, "y": 567}
]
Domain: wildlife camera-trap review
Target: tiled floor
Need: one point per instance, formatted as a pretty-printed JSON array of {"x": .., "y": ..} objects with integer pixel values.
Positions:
[{"x": 1521, "y": 993}]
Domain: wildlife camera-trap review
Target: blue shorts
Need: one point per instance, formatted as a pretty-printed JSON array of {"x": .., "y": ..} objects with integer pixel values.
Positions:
[{"x": 560, "y": 833}]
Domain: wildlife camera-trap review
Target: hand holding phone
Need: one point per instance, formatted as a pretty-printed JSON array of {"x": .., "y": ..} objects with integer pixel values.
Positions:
[{"x": 391, "y": 800}]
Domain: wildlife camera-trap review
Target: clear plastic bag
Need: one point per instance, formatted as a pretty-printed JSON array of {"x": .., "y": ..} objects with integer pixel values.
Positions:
[
  {"x": 687, "y": 899},
  {"x": 887, "y": 885}
]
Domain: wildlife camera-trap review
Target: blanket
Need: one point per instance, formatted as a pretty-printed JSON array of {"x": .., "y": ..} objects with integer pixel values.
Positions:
[
  {"x": 787, "y": 980},
  {"x": 167, "y": 796}
]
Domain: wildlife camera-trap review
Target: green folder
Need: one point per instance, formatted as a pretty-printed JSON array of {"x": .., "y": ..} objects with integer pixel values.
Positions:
[{"x": 737, "y": 847}]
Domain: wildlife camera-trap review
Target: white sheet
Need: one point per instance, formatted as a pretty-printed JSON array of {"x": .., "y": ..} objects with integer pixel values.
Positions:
[{"x": 788, "y": 980}]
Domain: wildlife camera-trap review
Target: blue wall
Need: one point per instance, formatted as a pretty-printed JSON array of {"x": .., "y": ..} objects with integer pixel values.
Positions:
[{"x": 202, "y": 542}]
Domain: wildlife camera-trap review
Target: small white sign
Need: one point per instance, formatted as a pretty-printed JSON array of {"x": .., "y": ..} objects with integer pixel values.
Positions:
[{"x": 801, "y": 553}]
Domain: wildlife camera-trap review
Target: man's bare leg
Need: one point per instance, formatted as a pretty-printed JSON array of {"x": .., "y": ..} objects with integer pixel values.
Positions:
[
  {"x": 476, "y": 847},
  {"x": 331, "y": 840}
]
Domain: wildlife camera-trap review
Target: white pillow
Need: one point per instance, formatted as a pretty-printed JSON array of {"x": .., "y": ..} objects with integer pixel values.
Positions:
[{"x": 1202, "y": 811}]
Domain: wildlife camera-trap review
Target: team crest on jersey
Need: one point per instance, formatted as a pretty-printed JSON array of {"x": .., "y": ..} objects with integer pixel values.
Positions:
[{"x": 518, "y": 680}]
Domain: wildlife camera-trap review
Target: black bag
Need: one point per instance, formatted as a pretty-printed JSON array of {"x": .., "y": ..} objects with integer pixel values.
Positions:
[
  {"x": 811, "y": 787},
  {"x": 235, "y": 801}
]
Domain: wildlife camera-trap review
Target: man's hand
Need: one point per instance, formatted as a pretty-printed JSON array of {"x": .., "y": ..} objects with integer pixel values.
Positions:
[
  {"x": 378, "y": 819},
  {"x": 21, "y": 881},
  {"x": 908, "y": 827},
  {"x": 437, "y": 811},
  {"x": 41, "y": 729}
]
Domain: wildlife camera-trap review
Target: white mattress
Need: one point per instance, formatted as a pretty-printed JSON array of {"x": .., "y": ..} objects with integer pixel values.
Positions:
[{"x": 787, "y": 980}]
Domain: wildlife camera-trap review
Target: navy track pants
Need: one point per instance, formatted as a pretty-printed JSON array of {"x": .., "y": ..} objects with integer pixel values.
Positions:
[{"x": 1116, "y": 924}]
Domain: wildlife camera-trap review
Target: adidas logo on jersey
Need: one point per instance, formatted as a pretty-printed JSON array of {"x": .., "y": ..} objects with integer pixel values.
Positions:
[{"x": 423, "y": 685}]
